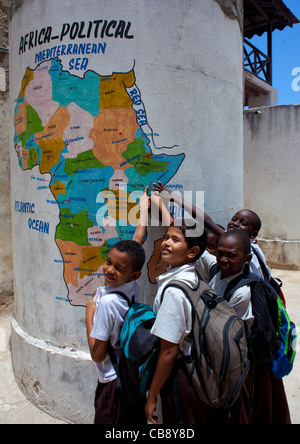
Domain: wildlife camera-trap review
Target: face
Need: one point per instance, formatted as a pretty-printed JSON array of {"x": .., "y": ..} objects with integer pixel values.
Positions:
[
  {"x": 231, "y": 256},
  {"x": 118, "y": 269},
  {"x": 245, "y": 221},
  {"x": 175, "y": 250},
  {"x": 212, "y": 243}
]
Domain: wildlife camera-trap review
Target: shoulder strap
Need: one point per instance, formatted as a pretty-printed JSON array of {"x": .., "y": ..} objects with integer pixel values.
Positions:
[
  {"x": 129, "y": 302},
  {"x": 110, "y": 350},
  {"x": 262, "y": 265},
  {"x": 240, "y": 281},
  {"x": 213, "y": 271},
  {"x": 180, "y": 286},
  {"x": 202, "y": 290}
]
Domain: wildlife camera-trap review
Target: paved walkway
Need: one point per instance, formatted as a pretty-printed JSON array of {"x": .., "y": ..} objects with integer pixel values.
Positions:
[{"x": 16, "y": 409}]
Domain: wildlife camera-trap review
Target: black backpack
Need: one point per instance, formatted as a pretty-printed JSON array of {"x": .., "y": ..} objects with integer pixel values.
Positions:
[
  {"x": 265, "y": 311},
  {"x": 276, "y": 283}
]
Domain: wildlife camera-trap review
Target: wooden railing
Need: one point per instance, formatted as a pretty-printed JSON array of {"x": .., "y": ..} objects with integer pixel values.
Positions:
[{"x": 257, "y": 62}]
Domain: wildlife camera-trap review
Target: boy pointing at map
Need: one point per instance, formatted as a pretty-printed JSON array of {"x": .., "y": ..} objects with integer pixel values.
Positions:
[{"x": 105, "y": 316}]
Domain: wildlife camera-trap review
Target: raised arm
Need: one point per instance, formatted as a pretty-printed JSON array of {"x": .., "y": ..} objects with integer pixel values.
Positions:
[
  {"x": 143, "y": 222},
  {"x": 161, "y": 210},
  {"x": 164, "y": 213},
  {"x": 195, "y": 212}
]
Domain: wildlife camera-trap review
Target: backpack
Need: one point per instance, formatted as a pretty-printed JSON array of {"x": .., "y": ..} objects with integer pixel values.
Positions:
[
  {"x": 273, "y": 336},
  {"x": 139, "y": 352},
  {"x": 218, "y": 363},
  {"x": 284, "y": 356},
  {"x": 275, "y": 282}
]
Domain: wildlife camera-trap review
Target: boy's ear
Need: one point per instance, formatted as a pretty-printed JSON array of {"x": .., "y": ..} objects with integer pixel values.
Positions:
[
  {"x": 193, "y": 252},
  {"x": 254, "y": 235},
  {"x": 135, "y": 276},
  {"x": 248, "y": 258}
]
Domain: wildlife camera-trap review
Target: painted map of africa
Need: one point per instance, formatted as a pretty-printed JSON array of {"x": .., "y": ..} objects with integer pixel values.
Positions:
[{"x": 92, "y": 136}]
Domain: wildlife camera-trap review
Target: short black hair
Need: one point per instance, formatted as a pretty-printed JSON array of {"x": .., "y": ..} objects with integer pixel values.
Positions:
[
  {"x": 133, "y": 249},
  {"x": 192, "y": 241},
  {"x": 257, "y": 220},
  {"x": 241, "y": 236}
]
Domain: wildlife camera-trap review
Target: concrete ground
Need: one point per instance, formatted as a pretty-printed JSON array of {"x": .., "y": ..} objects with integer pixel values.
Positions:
[{"x": 16, "y": 409}]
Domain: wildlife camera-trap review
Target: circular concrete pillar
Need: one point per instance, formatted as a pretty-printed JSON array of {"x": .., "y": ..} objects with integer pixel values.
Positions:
[{"x": 106, "y": 97}]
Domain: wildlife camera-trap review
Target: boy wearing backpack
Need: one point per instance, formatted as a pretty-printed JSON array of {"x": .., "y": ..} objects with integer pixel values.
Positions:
[
  {"x": 233, "y": 253},
  {"x": 268, "y": 400},
  {"x": 173, "y": 325},
  {"x": 105, "y": 316}
]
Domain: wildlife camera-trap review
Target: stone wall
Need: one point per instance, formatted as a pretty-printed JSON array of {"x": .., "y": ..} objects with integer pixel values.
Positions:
[
  {"x": 271, "y": 180},
  {"x": 6, "y": 272}
]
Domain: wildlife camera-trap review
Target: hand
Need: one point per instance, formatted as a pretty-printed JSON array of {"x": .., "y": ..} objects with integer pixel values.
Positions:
[
  {"x": 161, "y": 190},
  {"x": 150, "y": 408},
  {"x": 145, "y": 200}
]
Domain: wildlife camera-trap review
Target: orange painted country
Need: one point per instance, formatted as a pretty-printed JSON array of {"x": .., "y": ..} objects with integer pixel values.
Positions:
[{"x": 113, "y": 130}]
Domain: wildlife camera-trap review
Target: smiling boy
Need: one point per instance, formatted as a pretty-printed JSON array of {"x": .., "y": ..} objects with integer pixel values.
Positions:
[
  {"x": 173, "y": 326},
  {"x": 233, "y": 253},
  {"x": 105, "y": 316}
]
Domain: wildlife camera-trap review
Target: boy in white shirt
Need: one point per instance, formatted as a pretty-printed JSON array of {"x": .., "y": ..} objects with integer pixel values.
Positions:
[
  {"x": 105, "y": 316},
  {"x": 173, "y": 325},
  {"x": 233, "y": 253},
  {"x": 269, "y": 403}
]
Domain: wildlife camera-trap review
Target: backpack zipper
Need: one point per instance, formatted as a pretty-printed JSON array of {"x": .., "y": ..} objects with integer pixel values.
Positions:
[
  {"x": 242, "y": 378},
  {"x": 202, "y": 327},
  {"x": 237, "y": 340},
  {"x": 226, "y": 354}
]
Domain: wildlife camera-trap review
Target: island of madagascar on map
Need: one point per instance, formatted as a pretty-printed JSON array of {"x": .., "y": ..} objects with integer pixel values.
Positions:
[{"x": 91, "y": 134}]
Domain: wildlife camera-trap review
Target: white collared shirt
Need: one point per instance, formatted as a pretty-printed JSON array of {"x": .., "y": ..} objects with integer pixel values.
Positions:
[
  {"x": 240, "y": 300},
  {"x": 204, "y": 265},
  {"x": 254, "y": 264},
  {"x": 108, "y": 321},
  {"x": 174, "y": 315}
]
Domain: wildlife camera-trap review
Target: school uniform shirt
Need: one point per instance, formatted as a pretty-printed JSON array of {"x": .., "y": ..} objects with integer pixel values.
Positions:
[
  {"x": 240, "y": 300},
  {"x": 174, "y": 314},
  {"x": 254, "y": 265},
  {"x": 109, "y": 318},
  {"x": 204, "y": 265},
  {"x": 207, "y": 261}
]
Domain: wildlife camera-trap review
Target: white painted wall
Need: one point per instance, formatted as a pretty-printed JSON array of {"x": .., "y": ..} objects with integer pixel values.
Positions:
[
  {"x": 6, "y": 267},
  {"x": 272, "y": 181},
  {"x": 2, "y": 80},
  {"x": 187, "y": 58}
]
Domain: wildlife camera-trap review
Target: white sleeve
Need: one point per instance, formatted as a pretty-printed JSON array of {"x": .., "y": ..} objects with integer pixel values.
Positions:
[
  {"x": 104, "y": 320},
  {"x": 241, "y": 302},
  {"x": 174, "y": 320}
]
